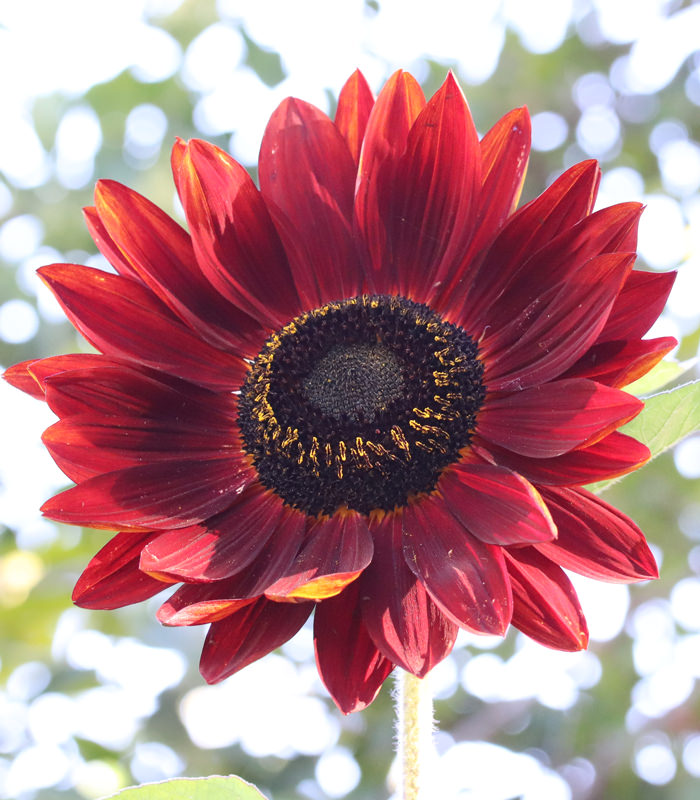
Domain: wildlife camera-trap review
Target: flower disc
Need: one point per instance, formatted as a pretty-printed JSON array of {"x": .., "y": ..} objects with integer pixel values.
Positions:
[{"x": 360, "y": 404}]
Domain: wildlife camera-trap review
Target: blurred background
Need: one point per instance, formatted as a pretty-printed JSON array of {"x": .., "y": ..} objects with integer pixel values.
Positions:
[{"x": 93, "y": 701}]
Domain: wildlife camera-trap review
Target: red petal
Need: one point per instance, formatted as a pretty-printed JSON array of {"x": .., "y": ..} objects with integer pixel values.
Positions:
[
  {"x": 596, "y": 539},
  {"x": 569, "y": 199},
  {"x": 401, "y": 617},
  {"x": 466, "y": 577},
  {"x": 355, "y": 103},
  {"x": 177, "y": 157},
  {"x": 220, "y": 547},
  {"x": 307, "y": 173},
  {"x": 233, "y": 236},
  {"x": 619, "y": 363},
  {"x": 638, "y": 305},
  {"x": 504, "y": 154},
  {"x": 196, "y": 603},
  {"x": 106, "y": 245},
  {"x": 161, "y": 496},
  {"x": 85, "y": 445},
  {"x": 200, "y": 604},
  {"x": 549, "y": 420},
  {"x": 113, "y": 579},
  {"x": 122, "y": 318},
  {"x": 544, "y": 338},
  {"x": 116, "y": 390},
  {"x": 30, "y": 376},
  {"x": 337, "y": 551},
  {"x": 20, "y": 377},
  {"x": 431, "y": 201},
  {"x": 161, "y": 253},
  {"x": 249, "y": 634},
  {"x": 565, "y": 258},
  {"x": 610, "y": 457},
  {"x": 47, "y": 368},
  {"x": 545, "y": 605},
  {"x": 350, "y": 665},
  {"x": 496, "y": 505},
  {"x": 398, "y": 105}
]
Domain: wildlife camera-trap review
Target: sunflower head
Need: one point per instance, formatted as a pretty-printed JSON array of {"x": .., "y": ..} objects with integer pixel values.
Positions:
[{"x": 368, "y": 389}]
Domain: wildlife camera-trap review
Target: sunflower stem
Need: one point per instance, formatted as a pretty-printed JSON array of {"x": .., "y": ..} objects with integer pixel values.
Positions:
[{"x": 414, "y": 712}]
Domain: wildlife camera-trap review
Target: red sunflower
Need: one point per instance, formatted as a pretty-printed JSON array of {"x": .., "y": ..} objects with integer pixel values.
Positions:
[{"x": 370, "y": 390}]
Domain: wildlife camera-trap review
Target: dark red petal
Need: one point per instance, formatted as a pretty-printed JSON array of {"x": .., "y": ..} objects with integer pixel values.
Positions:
[
  {"x": 125, "y": 390},
  {"x": 123, "y": 319},
  {"x": 545, "y": 605},
  {"x": 504, "y": 155},
  {"x": 249, "y": 634},
  {"x": 197, "y": 603},
  {"x": 401, "y": 617},
  {"x": 275, "y": 558},
  {"x": 46, "y": 368},
  {"x": 177, "y": 156},
  {"x": 399, "y": 103},
  {"x": 437, "y": 182},
  {"x": 610, "y": 457},
  {"x": 113, "y": 579},
  {"x": 337, "y": 551},
  {"x": 106, "y": 245},
  {"x": 220, "y": 547},
  {"x": 307, "y": 177},
  {"x": 200, "y": 604},
  {"x": 21, "y": 378},
  {"x": 549, "y": 420},
  {"x": 236, "y": 244},
  {"x": 596, "y": 539},
  {"x": 85, "y": 445},
  {"x": 30, "y": 376},
  {"x": 565, "y": 258},
  {"x": 569, "y": 199},
  {"x": 349, "y": 663},
  {"x": 621, "y": 362},
  {"x": 496, "y": 505},
  {"x": 638, "y": 305},
  {"x": 355, "y": 103},
  {"x": 161, "y": 253},
  {"x": 466, "y": 577},
  {"x": 543, "y": 339},
  {"x": 161, "y": 496}
]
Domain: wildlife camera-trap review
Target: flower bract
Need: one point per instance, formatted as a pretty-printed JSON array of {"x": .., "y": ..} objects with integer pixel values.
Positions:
[{"x": 370, "y": 390}]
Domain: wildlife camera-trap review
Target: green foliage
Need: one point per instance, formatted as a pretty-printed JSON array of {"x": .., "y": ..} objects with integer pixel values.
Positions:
[
  {"x": 212, "y": 788},
  {"x": 667, "y": 418},
  {"x": 665, "y": 372}
]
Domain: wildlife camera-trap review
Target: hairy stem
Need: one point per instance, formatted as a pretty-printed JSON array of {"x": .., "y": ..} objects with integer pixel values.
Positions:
[{"x": 414, "y": 732}]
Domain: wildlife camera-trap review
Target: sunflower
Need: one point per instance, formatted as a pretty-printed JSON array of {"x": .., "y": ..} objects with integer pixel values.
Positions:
[{"x": 370, "y": 390}]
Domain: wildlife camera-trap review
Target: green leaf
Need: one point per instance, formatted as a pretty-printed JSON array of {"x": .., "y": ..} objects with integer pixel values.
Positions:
[
  {"x": 667, "y": 418},
  {"x": 213, "y": 788},
  {"x": 664, "y": 372}
]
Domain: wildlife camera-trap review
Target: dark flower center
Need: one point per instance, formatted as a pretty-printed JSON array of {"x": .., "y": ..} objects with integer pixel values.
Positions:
[
  {"x": 354, "y": 381},
  {"x": 360, "y": 403}
]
